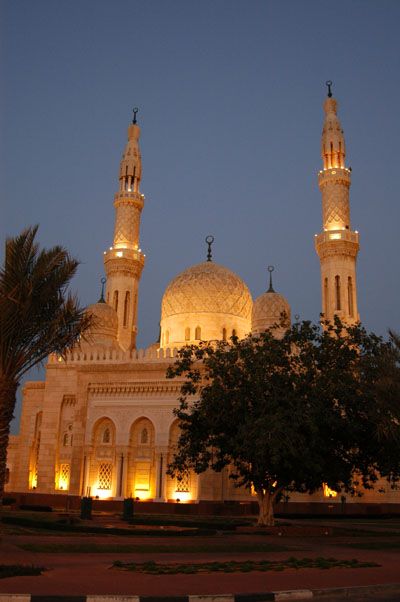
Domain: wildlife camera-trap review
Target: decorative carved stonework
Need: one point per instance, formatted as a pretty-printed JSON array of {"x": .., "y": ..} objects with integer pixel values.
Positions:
[
  {"x": 207, "y": 287},
  {"x": 134, "y": 389},
  {"x": 337, "y": 247},
  {"x": 124, "y": 265}
]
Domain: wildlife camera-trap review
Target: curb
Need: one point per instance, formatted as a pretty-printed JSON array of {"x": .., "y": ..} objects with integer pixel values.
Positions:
[{"x": 341, "y": 593}]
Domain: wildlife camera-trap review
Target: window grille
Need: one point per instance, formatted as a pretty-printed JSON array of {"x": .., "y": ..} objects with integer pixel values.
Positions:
[
  {"x": 183, "y": 482},
  {"x": 106, "y": 436},
  {"x": 63, "y": 479},
  {"x": 144, "y": 437},
  {"x": 105, "y": 475}
]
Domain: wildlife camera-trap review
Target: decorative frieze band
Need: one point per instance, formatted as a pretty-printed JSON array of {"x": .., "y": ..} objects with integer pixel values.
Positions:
[{"x": 134, "y": 389}]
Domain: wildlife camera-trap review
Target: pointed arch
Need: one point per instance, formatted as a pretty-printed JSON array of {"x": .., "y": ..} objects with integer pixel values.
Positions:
[
  {"x": 326, "y": 298},
  {"x": 350, "y": 295},
  {"x": 337, "y": 293},
  {"x": 126, "y": 308},
  {"x": 115, "y": 300}
]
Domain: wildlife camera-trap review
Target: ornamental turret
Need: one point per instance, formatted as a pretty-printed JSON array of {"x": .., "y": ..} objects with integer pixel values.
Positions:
[
  {"x": 337, "y": 245},
  {"x": 124, "y": 261}
]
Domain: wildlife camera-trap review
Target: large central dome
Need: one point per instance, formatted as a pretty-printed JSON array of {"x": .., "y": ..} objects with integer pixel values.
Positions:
[{"x": 205, "y": 302}]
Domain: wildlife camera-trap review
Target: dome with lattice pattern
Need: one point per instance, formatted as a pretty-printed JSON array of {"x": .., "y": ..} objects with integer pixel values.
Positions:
[
  {"x": 270, "y": 309},
  {"x": 205, "y": 302},
  {"x": 105, "y": 324}
]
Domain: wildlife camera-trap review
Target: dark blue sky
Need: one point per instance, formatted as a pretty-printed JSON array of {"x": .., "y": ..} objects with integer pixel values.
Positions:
[{"x": 230, "y": 96}]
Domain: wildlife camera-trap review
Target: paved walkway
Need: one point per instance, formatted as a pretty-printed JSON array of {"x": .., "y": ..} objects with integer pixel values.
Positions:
[{"x": 91, "y": 573}]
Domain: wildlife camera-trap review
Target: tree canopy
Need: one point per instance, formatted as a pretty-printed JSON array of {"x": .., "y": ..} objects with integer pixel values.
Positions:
[
  {"x": 290, "y": 413},
  {"x": 37, "y": 317}
]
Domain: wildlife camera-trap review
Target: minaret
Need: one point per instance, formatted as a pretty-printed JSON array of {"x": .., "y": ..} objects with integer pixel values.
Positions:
[
  {"x": 124, "y": 261},
  {"x": 337, "y": 246}
]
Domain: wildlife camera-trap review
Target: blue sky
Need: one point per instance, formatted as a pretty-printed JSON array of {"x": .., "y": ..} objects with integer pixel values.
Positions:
[{"x": 230, "y": 96}]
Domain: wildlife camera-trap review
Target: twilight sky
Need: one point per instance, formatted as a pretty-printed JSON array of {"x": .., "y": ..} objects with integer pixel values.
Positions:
[{"x": 230, "y": 95}]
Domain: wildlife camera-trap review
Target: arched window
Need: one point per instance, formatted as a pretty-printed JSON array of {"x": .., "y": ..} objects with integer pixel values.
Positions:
[
  {"x": 326, "y": 299},
  {"x": 197, "y": 333},
  {"x": 350, "y": 296},
  {"x": 126, "y": 307},
  {"x": 106, "y": 436},
  {"x": 234, "y": 332},
  {"x": 65, "y": 439},
  {"x": 187, "y": 334},
  {"x": 144, "y": 437},
  {"x": 337, "y": 292},
  {"x": 115, "y": 300},
  {"x": 224, "y": 334}
]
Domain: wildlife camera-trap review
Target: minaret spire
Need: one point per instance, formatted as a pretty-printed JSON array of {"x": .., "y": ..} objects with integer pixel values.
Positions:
[
  {"x": 337, "y": 246},
  {"x": 124, "y": 261}
]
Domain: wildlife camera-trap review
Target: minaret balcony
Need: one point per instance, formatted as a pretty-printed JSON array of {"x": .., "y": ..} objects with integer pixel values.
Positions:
[
  {"x": 124, "y": 259},
  {"x": 329, "y": 235},
  {"x": 128, "y": 197},
  {"x": 337, "y": 242},
  {"x": 334, "y": 174}
]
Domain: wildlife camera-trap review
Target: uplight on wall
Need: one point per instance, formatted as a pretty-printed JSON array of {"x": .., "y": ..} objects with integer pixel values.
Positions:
[
  {"x": 182, "y": 497},
  {"x": 102, "y": 494},
  {"x": 328, "y": 492},
  {"x": 142, "y": 494}
]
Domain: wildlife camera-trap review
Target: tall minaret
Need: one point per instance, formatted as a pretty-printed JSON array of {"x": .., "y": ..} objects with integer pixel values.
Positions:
[
  {"x": 337, "y": 246},
  {"x": 124, "y": 261}
]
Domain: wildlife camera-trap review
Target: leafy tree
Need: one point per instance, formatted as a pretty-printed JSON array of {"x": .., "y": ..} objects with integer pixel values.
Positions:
[
  {"x": 37, "y": 317},
  {"x": 290, "y": 413}
]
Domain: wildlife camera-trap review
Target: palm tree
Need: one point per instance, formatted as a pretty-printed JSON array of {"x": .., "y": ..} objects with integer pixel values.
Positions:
[{"x": 37, "y": 317}]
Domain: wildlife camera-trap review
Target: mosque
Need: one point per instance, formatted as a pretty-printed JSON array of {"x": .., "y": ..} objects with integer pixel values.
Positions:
[{"x": 101, "y": 423}]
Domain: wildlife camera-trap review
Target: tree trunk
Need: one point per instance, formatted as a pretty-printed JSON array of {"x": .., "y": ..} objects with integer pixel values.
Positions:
[
  {"x": 8, "y": 390},
  {"x": 265, "y": 502}
]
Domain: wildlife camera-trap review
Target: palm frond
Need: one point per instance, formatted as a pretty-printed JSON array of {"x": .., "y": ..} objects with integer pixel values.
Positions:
[{"x": 37, "y": 316}]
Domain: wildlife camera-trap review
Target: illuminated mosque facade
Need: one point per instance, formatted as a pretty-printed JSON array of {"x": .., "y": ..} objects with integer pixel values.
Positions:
[{"x": 102, "y": 423}]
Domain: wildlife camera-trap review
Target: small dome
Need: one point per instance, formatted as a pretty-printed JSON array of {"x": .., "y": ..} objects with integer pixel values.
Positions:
[
  {"x": 268, "y": 310},
  {"x": 206, "y": 298},
  {"x": 105, "y": 326}
]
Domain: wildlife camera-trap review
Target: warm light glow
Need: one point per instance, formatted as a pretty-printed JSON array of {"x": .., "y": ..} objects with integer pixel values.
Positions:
[
  {"x": 34, "y": 481},
  {"x": 329, "y": 492},
  {"x": 119, "y": 253},
  {"x": 183, "y": 496},
  {"x": 142, "y": 494},
  {"x": 102, "y": 493},
  {"x": 335, "y": 236}
]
